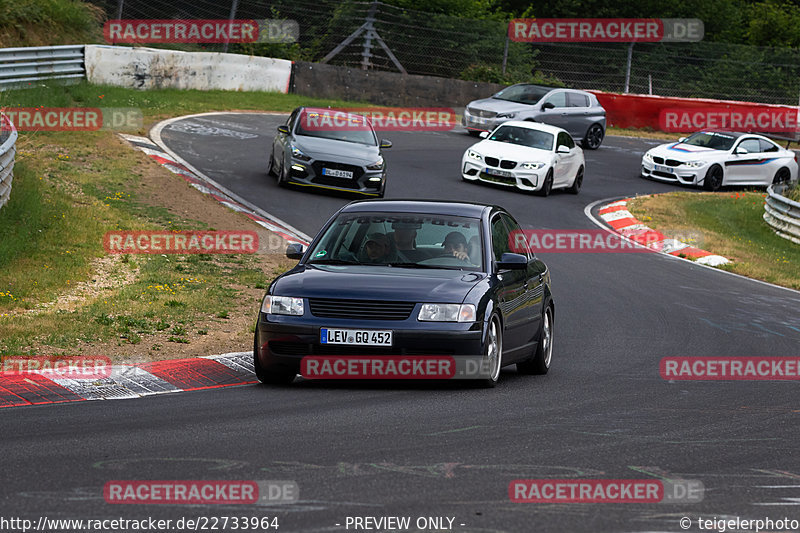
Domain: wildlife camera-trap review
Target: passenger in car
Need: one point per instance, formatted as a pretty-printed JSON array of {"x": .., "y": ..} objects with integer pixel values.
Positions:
[
  {"x": 404, "y": 237},
  {"x": 378, "y": 249}
]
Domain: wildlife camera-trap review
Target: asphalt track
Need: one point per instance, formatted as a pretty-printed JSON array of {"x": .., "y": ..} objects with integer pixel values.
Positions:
[{"x": 448, "y": 450}]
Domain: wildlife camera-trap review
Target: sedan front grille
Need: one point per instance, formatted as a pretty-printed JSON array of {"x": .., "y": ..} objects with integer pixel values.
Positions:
[
  {"x": 673, "y": 162},
  {"x": 507, "y": 164},
  {"x": 360, "y": 309},
  {"x": 481, "y": 113},
  {"x": 658, "y": 160},
  {"x": 492, "y": 161}
]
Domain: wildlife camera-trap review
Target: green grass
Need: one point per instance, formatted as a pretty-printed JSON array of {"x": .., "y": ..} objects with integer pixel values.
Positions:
[
  {"x": 732, "y": 226},
  {"x": 49, "y": 22}
]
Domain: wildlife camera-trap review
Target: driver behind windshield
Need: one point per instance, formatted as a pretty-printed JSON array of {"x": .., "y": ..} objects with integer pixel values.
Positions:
[{"x": 455, "y": 244}]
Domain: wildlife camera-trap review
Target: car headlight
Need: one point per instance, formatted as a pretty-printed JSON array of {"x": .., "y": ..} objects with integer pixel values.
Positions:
[
  {"x": 298, "y": 154},
  {"x": 534, "y": 165},
  {"x": 648, "y": 157},
  {"x": 282, "y": 305},
  {"x": 694, "y": 164},
  {"x": 472, "y": 154},
  {"x": 377, "y": 165},
  {"x": 447, "y": 313},
  {"x": 506, "y": 115}
]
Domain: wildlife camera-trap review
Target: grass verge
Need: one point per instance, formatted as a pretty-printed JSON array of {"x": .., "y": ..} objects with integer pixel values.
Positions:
[{"x": 732, "y": 226}]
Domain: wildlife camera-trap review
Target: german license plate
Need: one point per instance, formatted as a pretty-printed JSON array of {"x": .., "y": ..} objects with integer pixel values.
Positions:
[
  {"x": 355, "y": 337},
  {"x": 501, "y": 173},
  {"x": 663, "y": 169},
  {"x": 336, "y": 173}
]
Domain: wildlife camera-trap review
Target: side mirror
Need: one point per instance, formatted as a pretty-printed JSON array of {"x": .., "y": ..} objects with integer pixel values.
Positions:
[
  {"x": 283, "y": 129},
  {"x": 483, "y": 134},
  {"x": 386, "y": 143},
  {"x": 741, "y": 150},
  {"x": 547, "y": 105},
  {"x": 295, "y": 251},
  {"x": 682, "y": 139},
  {"x": 562, "y": 149},
  {"x": 509, "y": 261}
]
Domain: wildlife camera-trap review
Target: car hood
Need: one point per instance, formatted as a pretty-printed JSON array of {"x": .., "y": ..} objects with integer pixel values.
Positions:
[
  {"x": 341, "y": 150},
  {"x": 517, "y": 152},
  {"x": 685, "y": 152},
  {"x": 499, "y": 106},
  {"x": 377, "y": 283}
]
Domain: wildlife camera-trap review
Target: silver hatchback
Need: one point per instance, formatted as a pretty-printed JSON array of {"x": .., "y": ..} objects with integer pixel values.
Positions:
[{"x": 578, "y": 112}]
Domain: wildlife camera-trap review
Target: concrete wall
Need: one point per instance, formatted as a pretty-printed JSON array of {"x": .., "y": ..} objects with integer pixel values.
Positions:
[
  {"x": 148, "y": 68},
  {"x": 385, "y": 88}
]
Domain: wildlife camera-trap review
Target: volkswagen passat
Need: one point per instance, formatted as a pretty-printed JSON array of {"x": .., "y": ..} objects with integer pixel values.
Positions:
[
  {"x": 410, "y": 278},
  {"x": 526, "y": 155},
  {"x": 713, "y": 159},
  {"x": 329, "y": 149},
  {"x": 578, "y": 112}
]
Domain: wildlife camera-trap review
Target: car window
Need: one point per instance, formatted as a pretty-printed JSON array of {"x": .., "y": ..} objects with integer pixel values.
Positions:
[
  {"x": 558, "y": 99},
  {"x": 335, "y": 125},
  {"x": 751, "y": 145},
  {"x": 523, "y": 136},
  {"x": 768, "y": 146},
  {"x": 717, "y": 141},
  {"x": 523, "y": 93},
  {"x": 515, "y": 230},
  {"x": 499, "y": 238},
  {"x": 577, "y": 100},
  {"x": 290, "y": 120},
  {"x": 566, "y": 140}
]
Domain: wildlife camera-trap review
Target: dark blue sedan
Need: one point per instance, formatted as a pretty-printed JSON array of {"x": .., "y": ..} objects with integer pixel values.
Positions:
[{"x": 409, "y": 279}]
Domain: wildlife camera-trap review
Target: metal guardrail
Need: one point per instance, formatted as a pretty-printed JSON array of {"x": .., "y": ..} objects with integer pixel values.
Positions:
[
  {"x": 22, "y": 66},
  {"x": 8, "y": 152},
  {"x": 782, "y": 214}
]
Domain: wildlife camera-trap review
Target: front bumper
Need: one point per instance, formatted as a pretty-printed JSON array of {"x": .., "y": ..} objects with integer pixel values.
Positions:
[
  {"x": 476, "y": 123},
  {"x": 363, "y": 181},
  {"x": 685, "y": 176},
  {"x": 282, "y": 341},
  {"x": 524, "y": 180}
]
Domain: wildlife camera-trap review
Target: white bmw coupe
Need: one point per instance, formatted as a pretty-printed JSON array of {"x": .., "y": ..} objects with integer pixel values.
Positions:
[
  {"x": 530, "y": 156},
  {"x": 714, "y": 159}
]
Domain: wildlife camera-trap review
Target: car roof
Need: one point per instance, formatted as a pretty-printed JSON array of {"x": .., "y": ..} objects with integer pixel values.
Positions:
[
  {"x": 534, "y": 126},
  {"x": 438, "y": 207}
]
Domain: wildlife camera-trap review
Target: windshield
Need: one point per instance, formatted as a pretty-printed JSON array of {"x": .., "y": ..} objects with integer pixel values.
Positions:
[
  {"x": 523, "y": 94},
  {"x": 717, "y": 141},
  {"x": 523, "y": 137},
  {"x": 337, "y": 126},
  {"x": 402, "y": 240}
]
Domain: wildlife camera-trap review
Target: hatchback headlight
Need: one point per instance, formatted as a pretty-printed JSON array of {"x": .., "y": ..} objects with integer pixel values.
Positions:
[
  {"x": 506, "y": 115},
  {"x": 377, "y": 165},
  {"x": 694, "y": 164},
  {"x": 297, "y": 153},
  {"x": 282, "y": 305},
  {"x": 534, "y": 165},
  {"x": 447, "y": 313},
  {"x": 472, "y": 154}
]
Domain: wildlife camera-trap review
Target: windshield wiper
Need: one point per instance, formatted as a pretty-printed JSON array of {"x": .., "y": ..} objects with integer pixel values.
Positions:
[{"x": 334, "y": 262}]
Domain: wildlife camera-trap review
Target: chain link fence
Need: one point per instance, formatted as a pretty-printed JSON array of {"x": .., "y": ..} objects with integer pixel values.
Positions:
[{"x": 384, "y": 37}]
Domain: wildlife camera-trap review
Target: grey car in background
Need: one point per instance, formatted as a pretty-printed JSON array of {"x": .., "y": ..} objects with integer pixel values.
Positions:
[
  {"x": 578, "y": 112},
  {"x": 329, "y": 149}
]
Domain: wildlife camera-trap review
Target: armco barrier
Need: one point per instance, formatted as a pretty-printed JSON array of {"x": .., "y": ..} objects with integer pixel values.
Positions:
[
  {"x": 782, "y": 214},
  {"x": 8, "y": 151},
  {"x": 149, "y": 68},
  {"x": 20, "y": 67},
  {"x": 644, "y": 111}
]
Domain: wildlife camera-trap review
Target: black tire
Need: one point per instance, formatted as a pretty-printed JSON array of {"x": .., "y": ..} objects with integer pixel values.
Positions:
[
  {"x": 271, "y": 165},
  {"x": 539, "y": 363},
  {"x": 547, "y": 187},
  {"x": 270, "y": 376},
  {"x": 282, "y": 177},
  {"x": 594, "y": 137},
  {"x": 713, "y": 180},
  {"x": 494, "y": 345},
  {"x": 576, "y": 185},
  {"x": 782, "y": 176}
]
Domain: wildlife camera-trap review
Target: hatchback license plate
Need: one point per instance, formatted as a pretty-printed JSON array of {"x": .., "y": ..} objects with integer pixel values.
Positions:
[
  {"x": 355, "y": 337},
  {"x": 336, "y": 173}
]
